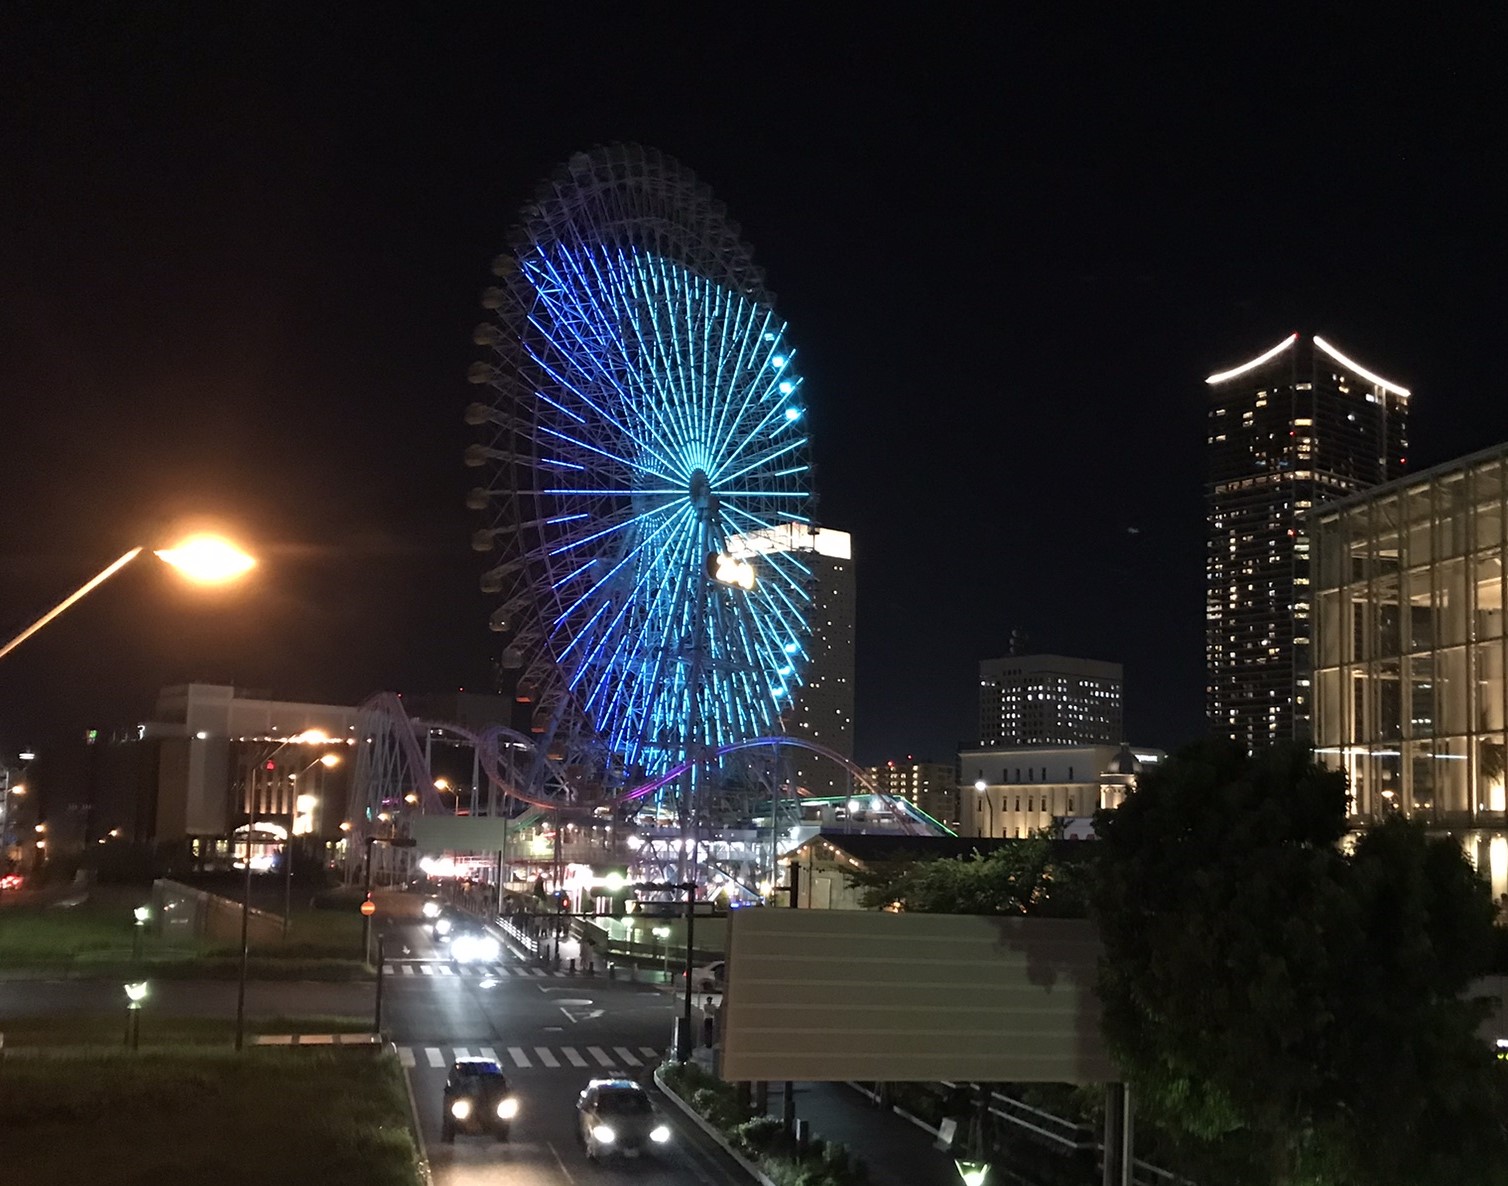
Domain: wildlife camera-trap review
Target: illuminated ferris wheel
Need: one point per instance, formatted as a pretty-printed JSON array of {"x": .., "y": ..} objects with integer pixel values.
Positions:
[{"x": 647, "y": 458}]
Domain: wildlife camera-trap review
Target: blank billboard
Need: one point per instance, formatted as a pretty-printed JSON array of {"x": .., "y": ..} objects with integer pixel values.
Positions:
[
  {"x": 831, "y": 995},
  {"x": 459, "y": 833}
]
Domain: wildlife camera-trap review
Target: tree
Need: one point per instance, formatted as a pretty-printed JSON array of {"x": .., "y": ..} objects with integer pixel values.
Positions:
[
  {"x": 1291, "y": 1012},
  {"x": 1024, "y": 877}
]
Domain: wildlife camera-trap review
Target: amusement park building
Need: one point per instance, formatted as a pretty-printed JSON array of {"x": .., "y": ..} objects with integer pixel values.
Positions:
[
  {"x": 824, "y": 708},
  {"x": 1049, "y": 700},
  {"x": 1292, "y": 428},
  {"x": 1411, "y": 698},
  {"x": 1009, "y": 792}
]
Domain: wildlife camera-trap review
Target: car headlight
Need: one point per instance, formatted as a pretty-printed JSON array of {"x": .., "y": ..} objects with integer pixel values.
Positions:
[
  {"x": 442, "y": 927},
  {"x": 460, "y": 1109},
  {"x": 431, "y": 910},
  {"x": 507, "y": 1109},
  {"x": 603, "y": 1134},
  {"x": 659, "y": 1134}
]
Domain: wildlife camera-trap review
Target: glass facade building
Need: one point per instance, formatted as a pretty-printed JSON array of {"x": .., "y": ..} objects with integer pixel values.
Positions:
[
  {"x": 1288, "y": 430},
  {"x": 1409, "y": 650}
]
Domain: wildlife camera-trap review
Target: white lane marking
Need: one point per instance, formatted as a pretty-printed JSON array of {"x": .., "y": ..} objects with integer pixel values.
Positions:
[
  {"x": 488, "y": 1052},
  {"x": 561, "y": 1164},
  {"x": 436, "y": 1059},
  {"x": 520, "y": 1059},
  {"x": 462, "y": 1052},
  {"x": 447, "y": 970},
  {"x": 426, "y": 969},
  {"x": 408, "y": 969},
  {"x": 627, "y": 1056},
  {"x": 600, "y": 1055},
  {"x": 546, "y": 1057},
  {"x": 572, "y": 1057},
  {"x": 649, "y": 1052},
  {"x": 406, "y": 1057}
]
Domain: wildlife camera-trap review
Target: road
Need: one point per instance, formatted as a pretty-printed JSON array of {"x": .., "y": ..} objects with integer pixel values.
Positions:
[{"x": 551, "y": 1033}]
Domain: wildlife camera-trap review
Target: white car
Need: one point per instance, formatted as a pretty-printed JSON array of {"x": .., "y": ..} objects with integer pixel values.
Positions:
[
  {"x": 471, "y": 947},
  {"x": 708, "y": 978}
]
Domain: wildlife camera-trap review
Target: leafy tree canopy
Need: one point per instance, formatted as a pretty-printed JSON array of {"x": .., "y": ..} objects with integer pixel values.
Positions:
[
  {"x": 1032, "y": 876},
  {"x": 1293, "y": 1009}
]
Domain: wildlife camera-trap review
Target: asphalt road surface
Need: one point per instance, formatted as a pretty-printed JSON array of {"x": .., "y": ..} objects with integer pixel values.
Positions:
[{"x": 551, "y": 1034}]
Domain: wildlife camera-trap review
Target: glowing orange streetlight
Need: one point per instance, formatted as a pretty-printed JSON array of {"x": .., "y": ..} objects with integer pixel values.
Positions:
[{"x": 203, "y": 559}]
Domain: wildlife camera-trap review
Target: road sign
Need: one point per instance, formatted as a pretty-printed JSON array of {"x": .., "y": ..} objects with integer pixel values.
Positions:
[{"x": 368, "y": 907}]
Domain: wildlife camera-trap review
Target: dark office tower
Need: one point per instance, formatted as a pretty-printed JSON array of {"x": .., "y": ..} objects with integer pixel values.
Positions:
[{"x": 1292, "y": 428}]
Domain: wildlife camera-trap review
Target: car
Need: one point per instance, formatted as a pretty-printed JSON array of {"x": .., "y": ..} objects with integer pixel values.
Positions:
[
  {"x": 477, "y": 1100},
  {"x": 10, "y": 881},
  {"x": 708, "y": 978},
  {"x": 616, "y": 1118},
  {"x": 473, "y": 945}
]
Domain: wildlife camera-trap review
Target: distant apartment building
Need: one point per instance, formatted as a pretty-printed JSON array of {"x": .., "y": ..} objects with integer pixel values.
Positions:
[
  {"x": 1049, "y": 700},
  {"x": 1292, "y": 428},
  {"x": 931, "y": 786},
  {"x": 824, "y": 708}
]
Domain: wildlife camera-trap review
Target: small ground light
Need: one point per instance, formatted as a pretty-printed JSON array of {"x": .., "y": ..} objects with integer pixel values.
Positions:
[
  {"x": 141, "y": 914},
  {"x": 135, "y": 994},
  {"x": 973, "y": 1173}
]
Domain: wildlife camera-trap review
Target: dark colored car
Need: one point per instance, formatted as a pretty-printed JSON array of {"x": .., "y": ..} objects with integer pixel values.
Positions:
[
  {"x": 615, "y": 1117},
  {"x": 477, "y": 1100}
]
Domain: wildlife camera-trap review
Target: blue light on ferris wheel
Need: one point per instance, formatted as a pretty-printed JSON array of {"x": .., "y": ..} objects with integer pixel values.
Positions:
[
  {"x": 786, "y": 387},
  {"x": 791, "y": 648},
  {"x": 793, "y": 414},
  {"x": 778, "y": 361}
]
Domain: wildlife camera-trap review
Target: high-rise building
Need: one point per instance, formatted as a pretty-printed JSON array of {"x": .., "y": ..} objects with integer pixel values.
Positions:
[
  {"x": 1049, "y": 700},
  {"x": 1297, "y": 425},
  {"x": 1411, "y": 652},
  {"x": 823, "y": 709},
  {"x": 932, "y": 786}
]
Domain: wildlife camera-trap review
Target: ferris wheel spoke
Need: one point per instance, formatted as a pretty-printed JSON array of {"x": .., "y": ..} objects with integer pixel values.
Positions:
[
  {"x": 596, "y": 408},
  {"x": 735, "y": 411},
  {"x": 590, "y": 291},
  {"x": 611, "y": 574}
]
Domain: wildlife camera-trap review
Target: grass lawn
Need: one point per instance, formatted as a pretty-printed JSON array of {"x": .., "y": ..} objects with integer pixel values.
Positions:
[
  {"x": 107, "y": 1031},
  {"x": 296, "y": 1117},
  {"x": 95, "y": 938}
]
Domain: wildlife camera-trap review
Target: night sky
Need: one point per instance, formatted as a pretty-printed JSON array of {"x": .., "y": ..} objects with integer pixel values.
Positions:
[{"x": 241, "y": 253}]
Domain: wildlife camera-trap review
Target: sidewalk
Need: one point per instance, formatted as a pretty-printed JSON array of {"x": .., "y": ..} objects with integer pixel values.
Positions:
[{"x": 897, "y": 1152}]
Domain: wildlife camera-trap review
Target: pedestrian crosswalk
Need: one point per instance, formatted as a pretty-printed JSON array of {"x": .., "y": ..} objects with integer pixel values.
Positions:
[
  {"x": 447, "y": 968},
  {"x": 523, "y": 1058}
]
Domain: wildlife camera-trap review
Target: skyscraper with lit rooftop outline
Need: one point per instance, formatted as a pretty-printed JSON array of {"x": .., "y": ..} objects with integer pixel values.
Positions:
[{"x": 1297, "y": 425}]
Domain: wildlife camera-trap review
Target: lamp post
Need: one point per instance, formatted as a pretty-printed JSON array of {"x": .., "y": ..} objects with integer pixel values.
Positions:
[
  {"x": 203, "y": 559},
  {"x": 141, "y": 914},
  {"x": 983, "y": 788},
  {"x": 366, "y": 915},
  {"x": 684, "y": 1041},
  {"x": 309, "y": 736},
  {"x": 135, "y": 994},
  {"x": 662, "y": 934},
  {"x": 328, "y": 761}
]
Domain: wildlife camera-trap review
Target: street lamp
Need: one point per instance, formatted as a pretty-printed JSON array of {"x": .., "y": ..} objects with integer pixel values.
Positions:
[
  {"x": 303, "y": 808},
  {"x": 983, "y": 788},
  {"x": 135, "y": 995},
  {"x": 308, "y": 736},
  {"x": 662, "y": 934},
  {"x": 203, "y": 559},
  {"x": 141, "y": 914}
]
